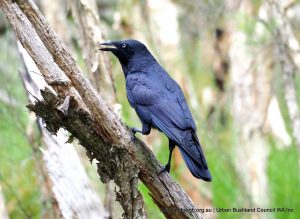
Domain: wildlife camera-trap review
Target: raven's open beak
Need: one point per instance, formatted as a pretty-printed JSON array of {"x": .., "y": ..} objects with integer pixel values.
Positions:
[{"x": 107, "y": 46}]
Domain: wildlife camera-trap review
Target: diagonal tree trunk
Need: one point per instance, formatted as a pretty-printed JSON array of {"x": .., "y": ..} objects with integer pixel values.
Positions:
[
  {"x": 98, "y": 66},
  {"x": 70, "y": 185}
]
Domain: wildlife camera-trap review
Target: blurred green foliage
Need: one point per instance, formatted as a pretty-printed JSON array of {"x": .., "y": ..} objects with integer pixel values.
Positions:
[{"x": 18, "y": 173}]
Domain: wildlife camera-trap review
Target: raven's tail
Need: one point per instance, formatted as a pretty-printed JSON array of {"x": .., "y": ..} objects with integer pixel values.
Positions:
[
  {"x": 193, "y": 156},
  {"x": 199, "y": 171}
]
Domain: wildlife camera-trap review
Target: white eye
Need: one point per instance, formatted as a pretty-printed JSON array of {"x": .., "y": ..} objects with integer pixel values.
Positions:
[{"x": 124, "y": 45}]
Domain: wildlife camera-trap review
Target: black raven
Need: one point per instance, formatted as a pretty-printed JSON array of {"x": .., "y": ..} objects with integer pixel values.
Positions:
[{"x": 159, "y": 103}]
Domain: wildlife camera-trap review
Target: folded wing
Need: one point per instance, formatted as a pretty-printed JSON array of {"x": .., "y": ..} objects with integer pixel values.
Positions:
[{"x": 167, "y": 110}]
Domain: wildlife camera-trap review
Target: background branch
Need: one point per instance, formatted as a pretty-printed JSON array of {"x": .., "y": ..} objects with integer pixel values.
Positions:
[
  {"x": 288, "y": 60},
  {"x": 90, "y": 33}
]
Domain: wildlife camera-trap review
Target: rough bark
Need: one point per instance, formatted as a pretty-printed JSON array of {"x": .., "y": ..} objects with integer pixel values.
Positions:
[
  {"x": 98, "y": 128},
  {"x": 109, "y": 201},
  {"x": 59, "y": 82},
  {"x": 69, "y": 183},
  {"x": 98, "y": 66}
]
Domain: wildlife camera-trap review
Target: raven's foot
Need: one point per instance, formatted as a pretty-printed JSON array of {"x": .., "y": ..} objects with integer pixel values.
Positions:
[
  {"x": 134, "y": 131},
  {"x": 165, "y": 169}
]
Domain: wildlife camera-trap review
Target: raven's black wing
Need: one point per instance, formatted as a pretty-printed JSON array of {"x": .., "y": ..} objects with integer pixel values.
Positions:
[
  {"x": 164, "y": 101},
  {"x": 162, "y": 104}
]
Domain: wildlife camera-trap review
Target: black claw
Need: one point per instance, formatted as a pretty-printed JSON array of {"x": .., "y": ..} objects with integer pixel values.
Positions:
[
  {"x": 132, "y": 139},
  {"x": 165, "y": 169},
  {"x": 133, "y": 130}
]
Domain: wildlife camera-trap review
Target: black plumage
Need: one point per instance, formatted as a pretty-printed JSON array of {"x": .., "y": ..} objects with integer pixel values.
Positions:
[{"x": 159, "y": 102}]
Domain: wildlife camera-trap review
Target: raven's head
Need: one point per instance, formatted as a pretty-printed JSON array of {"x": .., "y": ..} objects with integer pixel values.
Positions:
[{"x": 131, "y": 53}]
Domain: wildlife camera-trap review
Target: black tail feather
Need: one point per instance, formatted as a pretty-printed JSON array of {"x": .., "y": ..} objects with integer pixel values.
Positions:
[{"x": 198, "y": 171}]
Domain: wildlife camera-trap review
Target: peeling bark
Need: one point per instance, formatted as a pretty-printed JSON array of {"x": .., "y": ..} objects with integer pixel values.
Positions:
[
  {"x": 69, "y": 183},
  {"x": 98, "y": 65}
]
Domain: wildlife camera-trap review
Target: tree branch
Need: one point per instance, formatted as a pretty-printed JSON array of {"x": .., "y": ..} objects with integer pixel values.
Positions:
[
  {"x": 70, "y": 185},
  {"x": 92, "y": 122}
]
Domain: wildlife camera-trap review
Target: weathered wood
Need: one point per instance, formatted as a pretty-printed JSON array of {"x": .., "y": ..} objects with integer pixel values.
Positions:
[
  {"x": 66, "y": 62},
  {"x": 98, "y": 129},
  {"x": 99, "y": 69},
  {"x": 70, "y": 185},
  {"x": 36, "y": 49}
]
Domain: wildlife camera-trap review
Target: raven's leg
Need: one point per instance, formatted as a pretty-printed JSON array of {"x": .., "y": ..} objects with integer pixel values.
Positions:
[
  {"x": 168, "y": 165},
  {"x": 145, "y": 130}
]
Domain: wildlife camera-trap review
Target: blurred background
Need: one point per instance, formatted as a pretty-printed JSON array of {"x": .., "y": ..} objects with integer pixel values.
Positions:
[{"x": 238, "y": 64}]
